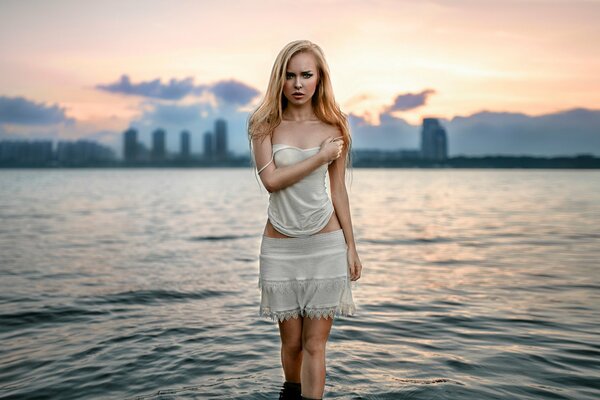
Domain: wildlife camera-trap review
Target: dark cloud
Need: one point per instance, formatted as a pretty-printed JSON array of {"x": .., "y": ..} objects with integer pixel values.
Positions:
[
  {"x": 234, "y": 92},
  {"x": 20, "y": 111},
  {"x": 173, "y": 90},
  {"x": 408, "y": 101},
  {"x": 230, "y": 91}
]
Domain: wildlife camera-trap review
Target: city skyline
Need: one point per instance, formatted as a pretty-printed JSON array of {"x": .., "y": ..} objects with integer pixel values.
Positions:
[
  {"x": 433, "y": 146},
  {"x": 433, "y": 152},
  {"x": 499, "y": 75},
  {"x": 215, "y": 145}
]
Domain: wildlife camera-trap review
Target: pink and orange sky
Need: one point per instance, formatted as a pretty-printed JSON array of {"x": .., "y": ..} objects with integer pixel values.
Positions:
[{"x": 392, "y": 62}]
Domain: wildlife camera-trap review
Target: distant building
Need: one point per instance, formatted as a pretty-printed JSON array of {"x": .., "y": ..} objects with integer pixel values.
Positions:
[
  {"x": 25, "y": 151},
  {"x": 130, "y": 145},
  {"x": 221, "y": 139},
  {"x": 409, "y": 154},
  {"x": 208, "y": 145},
  {"x": 434, "y": 143},
  {"x": 82, "y": 151},
  {"x": 185, "y": 144},
  {"x": 159, "y": 149}
]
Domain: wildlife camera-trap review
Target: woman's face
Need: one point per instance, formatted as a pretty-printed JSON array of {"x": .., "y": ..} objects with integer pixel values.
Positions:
[{"x": 301, "y": 77}]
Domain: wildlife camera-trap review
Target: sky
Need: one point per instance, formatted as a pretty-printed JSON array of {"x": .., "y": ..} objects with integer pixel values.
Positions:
[{"x": 504, "y": 77}]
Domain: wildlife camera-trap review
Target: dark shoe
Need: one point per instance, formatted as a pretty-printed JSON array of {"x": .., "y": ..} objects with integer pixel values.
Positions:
[
  {"x": 307, "y": 398},
  {"x": 290, "y": 391}
]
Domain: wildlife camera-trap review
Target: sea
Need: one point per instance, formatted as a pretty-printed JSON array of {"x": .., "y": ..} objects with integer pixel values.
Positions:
[{"x": 142, "y": 284}]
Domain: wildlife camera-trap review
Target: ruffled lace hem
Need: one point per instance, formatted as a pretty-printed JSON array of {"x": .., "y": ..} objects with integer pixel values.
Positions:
[
  {"x": 344, "y": 309},
  {"x": 270, "y": 286}
]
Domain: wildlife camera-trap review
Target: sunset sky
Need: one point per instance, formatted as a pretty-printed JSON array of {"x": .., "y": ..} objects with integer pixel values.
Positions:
[{"x": 398, "y": 60}]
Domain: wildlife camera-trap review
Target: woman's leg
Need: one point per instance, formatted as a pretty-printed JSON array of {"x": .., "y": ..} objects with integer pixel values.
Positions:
[
  {"x": 314, "y": 338},
  {"x": 291, "y": 348}
]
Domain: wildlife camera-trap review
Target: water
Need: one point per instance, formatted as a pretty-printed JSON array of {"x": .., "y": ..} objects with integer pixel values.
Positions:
[{"x": 125, "y": 284}]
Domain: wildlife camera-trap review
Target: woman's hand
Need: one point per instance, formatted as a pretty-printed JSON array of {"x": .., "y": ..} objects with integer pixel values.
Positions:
[
  {"x": 354, "y": 265},
  {"x": 331, "y": 148}
]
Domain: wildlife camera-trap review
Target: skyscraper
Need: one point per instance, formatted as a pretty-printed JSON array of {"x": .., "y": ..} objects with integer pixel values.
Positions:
[
  {"x": 434, "y": 143},
  {"x": 185, "y": 144},
  {"x": 208, "y": 145},
  {"x": 159, "y": 150},
  {"x": 130, "y": 147},
  {"x": 221, "y": 138}
]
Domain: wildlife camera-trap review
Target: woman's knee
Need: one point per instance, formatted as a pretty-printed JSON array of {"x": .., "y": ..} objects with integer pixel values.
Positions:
[
  {"x": 292, "y": 346},
  {"x": 314, "y": 345}
]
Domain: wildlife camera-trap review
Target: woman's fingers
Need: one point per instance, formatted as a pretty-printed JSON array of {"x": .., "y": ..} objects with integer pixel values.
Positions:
[
  {"x": 354, "y": 275},
  {"x": 355, "y": 271}
]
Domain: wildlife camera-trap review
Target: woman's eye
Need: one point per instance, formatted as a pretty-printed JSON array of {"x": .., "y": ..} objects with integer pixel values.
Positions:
[{"x": 289, "y": 76}]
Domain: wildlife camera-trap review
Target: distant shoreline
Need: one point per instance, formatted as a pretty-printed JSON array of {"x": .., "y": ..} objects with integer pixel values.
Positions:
[{"x": 384, "y": 160}]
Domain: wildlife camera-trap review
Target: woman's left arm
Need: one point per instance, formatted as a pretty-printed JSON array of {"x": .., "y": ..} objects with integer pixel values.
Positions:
[{"x": 341, "y": 204}]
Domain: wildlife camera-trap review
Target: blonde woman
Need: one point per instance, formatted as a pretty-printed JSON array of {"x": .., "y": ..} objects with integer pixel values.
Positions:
[{"x": 307, "y": 256}]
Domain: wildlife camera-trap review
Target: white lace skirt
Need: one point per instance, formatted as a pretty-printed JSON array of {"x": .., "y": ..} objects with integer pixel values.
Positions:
[{"x": 305, "y": 276}]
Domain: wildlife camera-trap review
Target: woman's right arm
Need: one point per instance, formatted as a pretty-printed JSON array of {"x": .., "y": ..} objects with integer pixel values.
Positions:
[{"x": 277, "y": 178}]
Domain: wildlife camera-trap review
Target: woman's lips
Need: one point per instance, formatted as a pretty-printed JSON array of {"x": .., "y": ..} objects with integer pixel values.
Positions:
[{"x": 298, "y": 95}]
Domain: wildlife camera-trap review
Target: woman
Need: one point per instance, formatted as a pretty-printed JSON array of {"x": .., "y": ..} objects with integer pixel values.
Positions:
[{"x": 308, "y": 256}]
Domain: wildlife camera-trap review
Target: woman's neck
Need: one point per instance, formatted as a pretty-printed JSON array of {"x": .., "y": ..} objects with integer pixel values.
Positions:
[{"x": 299, "y": 114}]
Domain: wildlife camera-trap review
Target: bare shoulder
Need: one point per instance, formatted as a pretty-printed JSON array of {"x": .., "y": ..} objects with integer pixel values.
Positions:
[
  {"x": 322, "y": 129},
  {"x": 332, "y": 129},
  {"x": 327, "y": 128}
]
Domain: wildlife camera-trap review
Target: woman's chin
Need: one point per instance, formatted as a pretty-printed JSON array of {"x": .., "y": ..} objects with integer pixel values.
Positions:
[{"x": 298, "y": 102}]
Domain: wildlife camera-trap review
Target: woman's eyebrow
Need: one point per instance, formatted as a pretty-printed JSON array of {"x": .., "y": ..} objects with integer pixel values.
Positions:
[{"x": 303, "y": 72}]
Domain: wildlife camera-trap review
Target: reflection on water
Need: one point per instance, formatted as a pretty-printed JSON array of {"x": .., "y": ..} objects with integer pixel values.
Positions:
[{"x": 477, "y": 284}]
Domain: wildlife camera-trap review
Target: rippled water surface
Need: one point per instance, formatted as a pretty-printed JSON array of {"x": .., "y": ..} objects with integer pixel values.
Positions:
[{"x": 477, "y": 284}]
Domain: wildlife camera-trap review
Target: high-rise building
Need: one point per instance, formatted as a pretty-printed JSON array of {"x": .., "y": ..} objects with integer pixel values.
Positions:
[
  {"x": 185, "y": 144},
  {"x": 159, "y": 150},
  {"x": 208, "y": 145},
  {"x": 130, "y": 146},
  {"x": 434, "y": 143},
  {"x": 221, "y": 138}
]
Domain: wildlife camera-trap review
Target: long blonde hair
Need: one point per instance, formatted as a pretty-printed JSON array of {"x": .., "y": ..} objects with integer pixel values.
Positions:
[{"x": 267, "y": 116}]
